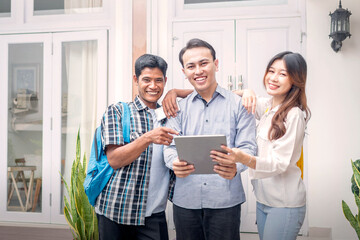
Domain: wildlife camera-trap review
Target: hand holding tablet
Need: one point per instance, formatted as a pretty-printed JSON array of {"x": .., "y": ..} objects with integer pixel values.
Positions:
[{"x": 196, "y": 150}]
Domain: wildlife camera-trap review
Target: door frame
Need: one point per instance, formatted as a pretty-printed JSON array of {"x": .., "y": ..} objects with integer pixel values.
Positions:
[
  {"x": 5, "y": 40},
  {"x": 58, "y": 39},
  {"x": 51, "y": 130}
]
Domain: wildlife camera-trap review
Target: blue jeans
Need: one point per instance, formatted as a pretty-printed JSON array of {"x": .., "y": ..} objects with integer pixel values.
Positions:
[{"x": 279, "y": 223}]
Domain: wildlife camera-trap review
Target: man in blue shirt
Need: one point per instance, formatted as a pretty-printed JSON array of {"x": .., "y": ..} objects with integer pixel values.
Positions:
[
  {"x": 132, "y": 204},
  {"x": 208, "y": 206}
]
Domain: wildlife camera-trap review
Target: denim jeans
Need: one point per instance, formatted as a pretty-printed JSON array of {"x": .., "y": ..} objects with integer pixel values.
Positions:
[{"x": 279, "y": 223}]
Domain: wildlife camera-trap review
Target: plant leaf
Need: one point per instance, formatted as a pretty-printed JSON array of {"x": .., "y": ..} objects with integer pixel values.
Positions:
[
  {"x": 78, "y": 212},
  {"x": 84, "y": 165},
  {"x": 78, "y": 146},
  {"x": 74, "y": 231},
  {"x": 356, "y": 174},
  {"x": 350, "y": 217},
  {"x": 357, "y": 200}
]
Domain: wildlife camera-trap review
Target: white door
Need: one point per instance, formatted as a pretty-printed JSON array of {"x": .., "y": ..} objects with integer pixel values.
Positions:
[
  {"x": 243, "y": 48},
  {"x": 257, "y": 41},
  {"x": 25, "y": 69},
  {"x": 220, "y": 34},
  {"x": 52, "y": 85},
  {"x": 78, "y": 102}
]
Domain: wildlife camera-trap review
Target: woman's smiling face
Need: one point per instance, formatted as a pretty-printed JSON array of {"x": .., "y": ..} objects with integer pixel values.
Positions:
[{"x": 277, "y": 80}]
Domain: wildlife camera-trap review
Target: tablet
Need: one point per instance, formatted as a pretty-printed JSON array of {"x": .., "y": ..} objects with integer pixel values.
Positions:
[{"x": 196, "y": 150}]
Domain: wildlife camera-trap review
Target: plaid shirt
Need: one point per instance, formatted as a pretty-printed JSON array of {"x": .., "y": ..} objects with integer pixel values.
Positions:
[{"x": 123, "y": 199}]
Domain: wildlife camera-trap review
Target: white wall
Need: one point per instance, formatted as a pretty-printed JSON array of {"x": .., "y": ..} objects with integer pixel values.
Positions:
[
  {"x": 333, "y": 92},
  {"x": 334, "y": 129}
]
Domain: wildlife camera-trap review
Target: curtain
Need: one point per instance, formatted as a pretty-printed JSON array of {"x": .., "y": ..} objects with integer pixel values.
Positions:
[
  {"x": 72, "y": 5},
  {"x": 80, "y": 87}
]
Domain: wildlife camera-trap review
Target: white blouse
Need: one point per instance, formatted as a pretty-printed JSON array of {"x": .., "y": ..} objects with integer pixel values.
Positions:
[{"x": 277, "y": 179}]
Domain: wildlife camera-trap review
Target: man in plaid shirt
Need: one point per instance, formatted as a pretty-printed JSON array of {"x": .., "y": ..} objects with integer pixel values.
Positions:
[{"x": 132, "y": 204}]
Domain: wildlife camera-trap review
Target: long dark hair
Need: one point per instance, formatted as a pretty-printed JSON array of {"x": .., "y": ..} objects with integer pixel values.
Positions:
[{"x": 296, "y": 97}]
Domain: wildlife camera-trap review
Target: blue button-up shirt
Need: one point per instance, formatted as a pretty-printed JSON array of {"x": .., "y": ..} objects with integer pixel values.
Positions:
[{"x": 223, "y": 114}]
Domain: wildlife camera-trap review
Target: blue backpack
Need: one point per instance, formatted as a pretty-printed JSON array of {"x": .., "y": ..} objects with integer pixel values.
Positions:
[{"x": 98, "y": 170}]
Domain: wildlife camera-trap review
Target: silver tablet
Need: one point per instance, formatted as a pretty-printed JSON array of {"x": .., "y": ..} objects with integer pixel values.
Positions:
[{"x": 196, "y": 150}]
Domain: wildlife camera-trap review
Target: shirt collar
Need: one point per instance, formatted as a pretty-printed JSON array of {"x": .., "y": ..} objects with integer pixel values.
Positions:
[
  {"x": 140, "y": 105},
  {"x": 218, "y": 91},
  {"x": 269, "y": 105}
]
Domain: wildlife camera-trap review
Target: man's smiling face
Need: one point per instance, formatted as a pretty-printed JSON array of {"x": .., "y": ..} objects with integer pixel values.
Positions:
[
  {"x": 151, "y": 85},
  {"x": 200, "y": 68}
]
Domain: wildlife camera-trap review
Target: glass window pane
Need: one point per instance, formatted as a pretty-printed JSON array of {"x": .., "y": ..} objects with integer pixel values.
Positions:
[
  {"x": 209, "y": 1},
  {"x": 251, "y": 2},
  {"x": 25, "y": 127},
  {"x": 51, "y": 7},
  {"x": 79, "y": 101},
  {"x": 5, "y": 8}
]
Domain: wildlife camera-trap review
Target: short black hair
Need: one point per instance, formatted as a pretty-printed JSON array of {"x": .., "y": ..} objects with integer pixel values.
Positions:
[
  {"x": 150, "y": 61},
  {"x": 195, "y": 43}
]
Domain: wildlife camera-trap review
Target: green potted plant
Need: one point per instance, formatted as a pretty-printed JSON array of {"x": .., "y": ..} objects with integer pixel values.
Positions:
[
  {"x": 355, "y": 185},
  {"x": 78, "y": 212}
]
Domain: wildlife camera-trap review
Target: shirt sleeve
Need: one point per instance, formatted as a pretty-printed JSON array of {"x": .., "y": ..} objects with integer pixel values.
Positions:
[
  {"x": 245, "y": 138},
  {"x": 111, "y": 127},
  {"x": 282, "y": 151},
  {"x": 261, "y": 106},
  {"x": 170, "y": 153}
]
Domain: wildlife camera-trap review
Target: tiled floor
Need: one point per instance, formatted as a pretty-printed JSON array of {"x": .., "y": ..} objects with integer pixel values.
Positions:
[
  {"x": 252, "y": 236},
  {"x": 247, "y": 236},
  {"x": 63, "y": 233}
]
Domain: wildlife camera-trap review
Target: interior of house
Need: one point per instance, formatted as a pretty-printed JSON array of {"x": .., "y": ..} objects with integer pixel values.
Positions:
[{"x": 62, "y": 62}]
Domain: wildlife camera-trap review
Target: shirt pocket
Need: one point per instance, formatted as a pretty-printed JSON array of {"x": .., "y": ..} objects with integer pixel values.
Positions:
[
  {"x": 262, "y": 133},
  {"x": 263, "y": 142}
]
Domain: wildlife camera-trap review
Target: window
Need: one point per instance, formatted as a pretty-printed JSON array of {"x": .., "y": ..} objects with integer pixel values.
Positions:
[
  {"x": 5, "y": 8},
  {"x": 52, "y": 7}
]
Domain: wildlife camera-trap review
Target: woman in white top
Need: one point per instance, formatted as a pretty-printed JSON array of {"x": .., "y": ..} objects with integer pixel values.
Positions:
[{"x": 277, "y": 182}]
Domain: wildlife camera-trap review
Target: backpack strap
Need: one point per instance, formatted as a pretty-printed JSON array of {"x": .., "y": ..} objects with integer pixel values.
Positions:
[
  {"x": 126, "y": 122},
  {"x": 95, "y": 142}
]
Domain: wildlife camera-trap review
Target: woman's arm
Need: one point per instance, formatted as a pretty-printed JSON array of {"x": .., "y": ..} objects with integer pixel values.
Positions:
[
  {"x": 248, "y": 99},
  {"x": 233, "y": 155}
]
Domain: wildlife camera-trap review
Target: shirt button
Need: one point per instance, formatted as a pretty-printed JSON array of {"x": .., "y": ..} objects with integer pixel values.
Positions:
[
  {"x": 206, "y": 120},
  {"x": 205, "y": 184}
]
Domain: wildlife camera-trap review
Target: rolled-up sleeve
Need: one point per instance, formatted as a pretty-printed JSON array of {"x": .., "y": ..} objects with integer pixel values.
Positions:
[
  {"x": 245, "y": 138},
  {"x": 275, "y": 156},
  {"x": 111, "y": 128},
  {"x": 170, "y": 153}
]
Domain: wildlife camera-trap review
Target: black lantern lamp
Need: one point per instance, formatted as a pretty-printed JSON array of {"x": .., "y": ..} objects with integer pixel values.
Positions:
[{"x": 340, "y": 27}]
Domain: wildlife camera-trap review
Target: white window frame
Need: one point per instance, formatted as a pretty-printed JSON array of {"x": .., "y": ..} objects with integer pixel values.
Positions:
[
  {"x": 22, "y": 19},
  {"x": 44, "y": 215},
  {"x": 264, "y": 8},
  {"x": 65, "y": 18},
  {"x": 15, "y": 16},
  {"x": 51, "y": 127}
]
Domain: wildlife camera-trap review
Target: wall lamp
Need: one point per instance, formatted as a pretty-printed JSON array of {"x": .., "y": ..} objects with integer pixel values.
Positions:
[{"x": 340, "y": 27}]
